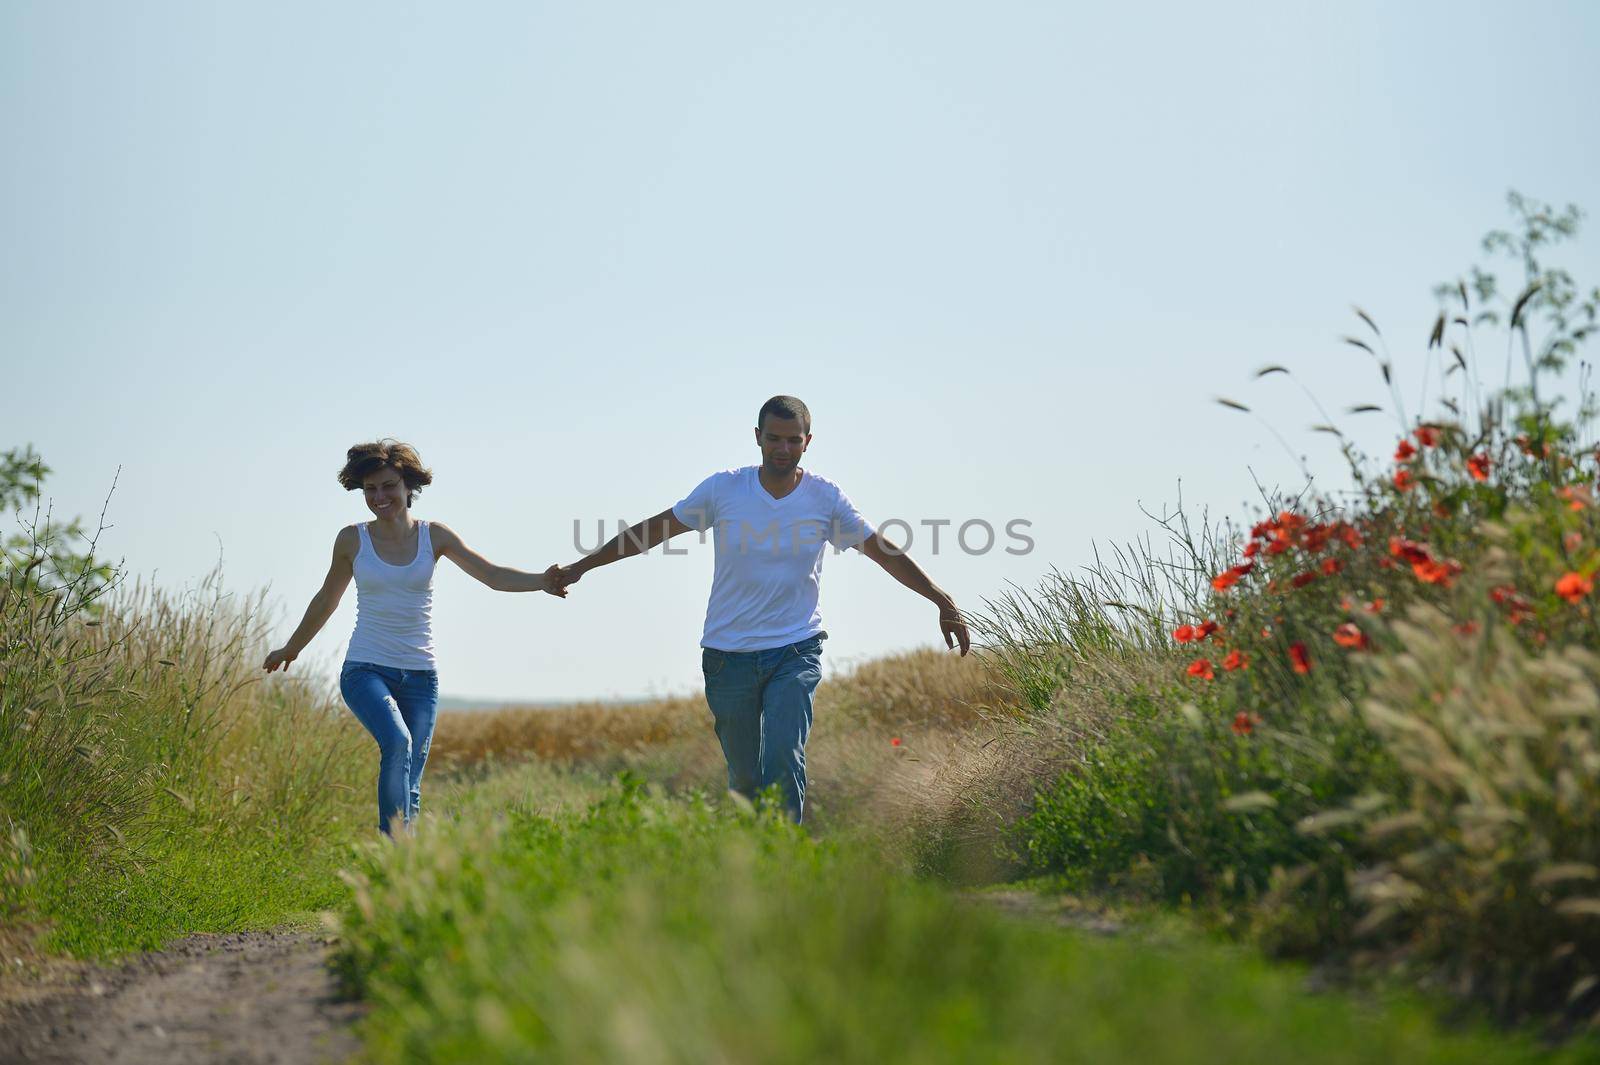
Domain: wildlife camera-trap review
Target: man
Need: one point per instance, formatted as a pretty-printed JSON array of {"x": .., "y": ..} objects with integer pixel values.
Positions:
[{"x": 762, "y": 645}]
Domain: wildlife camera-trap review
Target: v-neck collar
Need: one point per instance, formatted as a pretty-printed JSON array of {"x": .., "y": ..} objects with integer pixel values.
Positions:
[{"x": 755, "y": 471}]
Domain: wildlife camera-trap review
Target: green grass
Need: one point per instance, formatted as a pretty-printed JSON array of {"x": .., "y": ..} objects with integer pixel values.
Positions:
[
  {"x": 184, "y": 887},
  {"x": 188, "y": 877},
  {"x": 662, "y": 930}
]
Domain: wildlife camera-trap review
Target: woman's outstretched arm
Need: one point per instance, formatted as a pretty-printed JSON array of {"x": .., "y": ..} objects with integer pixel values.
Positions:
[
  {"x": 323, "y": 604},
  {"x": 447, "y": 544}
]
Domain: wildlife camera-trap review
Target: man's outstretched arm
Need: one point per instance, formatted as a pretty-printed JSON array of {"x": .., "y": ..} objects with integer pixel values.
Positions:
[
  {"x": 634, "y": 540},
  {"x": 899, "y": 565}
]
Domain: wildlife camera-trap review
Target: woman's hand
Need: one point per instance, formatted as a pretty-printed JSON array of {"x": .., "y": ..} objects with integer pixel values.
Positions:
[{"x": 281, "y": 657}]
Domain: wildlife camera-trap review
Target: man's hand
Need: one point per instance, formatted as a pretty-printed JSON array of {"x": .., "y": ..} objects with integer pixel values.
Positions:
[
  {"x": 556, "y": 579},
  {"x": 954, "y": 628},
  {"x": 897, "y": 564}
]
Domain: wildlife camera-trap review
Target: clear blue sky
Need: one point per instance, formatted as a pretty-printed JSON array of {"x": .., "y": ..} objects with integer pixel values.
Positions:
[{"x": 1007, "y": 252}]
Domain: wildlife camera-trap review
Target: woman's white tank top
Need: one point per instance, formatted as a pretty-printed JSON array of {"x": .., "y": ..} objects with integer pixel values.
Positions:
[{"x": 394, "y": 607}]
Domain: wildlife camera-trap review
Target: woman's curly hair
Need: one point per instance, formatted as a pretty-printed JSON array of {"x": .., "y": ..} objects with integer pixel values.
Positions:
[{"x": 363, "y": 460}]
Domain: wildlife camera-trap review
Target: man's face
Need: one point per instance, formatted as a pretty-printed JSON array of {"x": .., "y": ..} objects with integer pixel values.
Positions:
[{"x": 782, "y": 442}]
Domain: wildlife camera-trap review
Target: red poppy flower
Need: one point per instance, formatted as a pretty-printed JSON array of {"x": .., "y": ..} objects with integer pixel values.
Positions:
[
  {"x": 1430, "y": 572},
  {"x": 1251, "y": 548},
  {"x": 1351, "y": 535},
  {"x": 1205, "y": 628},
  {"x": 1349, "y": 635},
  {"x": 1230, "y": 576},
  {"x": 1427, "y": 435},
  {"x": 1405, "y": 452},
  {"x": 1574, "y": 586},
  {"x": 1244, "y": 723},
  {"x": 895, "y": 742},
  {"x": 1201, "y": 667},
  {"x": 1184, "y": 634},
  {"x": 1317, "y": 536},
  {"x": 1330, "y": 566},
  {"x": 1299, "y": 658},
  {"x": 1403, "y": 480},
  {"x": 1434, "y": 572},
  {"x": 1409, "y": 550},
  {"x": 1467, "y": 628},
  {"x": 1478, "y": 467},
  {"x": 1281, "y": 533},
  {"x": 1375, "y": 607},
  {"x": 1236, "y": 660},
  {"x": 1300, "y": 580},
  {"x": 1577, "y": 497}
]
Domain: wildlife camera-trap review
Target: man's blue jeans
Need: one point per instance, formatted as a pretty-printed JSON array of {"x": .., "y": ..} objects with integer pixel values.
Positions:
[
  {"x": 761, "y": 701},
  {"x": 399, "y": 707}
]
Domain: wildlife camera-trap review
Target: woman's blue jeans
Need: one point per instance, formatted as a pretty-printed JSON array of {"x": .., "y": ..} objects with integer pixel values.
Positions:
[
  {"x": 761, "y": 701},
  {"x": 399, "y": 707}
]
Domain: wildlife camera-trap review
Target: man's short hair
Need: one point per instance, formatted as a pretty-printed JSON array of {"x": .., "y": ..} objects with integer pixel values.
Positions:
[{"x": 785, "y": 407}]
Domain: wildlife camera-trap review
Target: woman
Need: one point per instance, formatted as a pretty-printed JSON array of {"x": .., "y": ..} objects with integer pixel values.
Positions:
[{"x": 388, "y": 678}]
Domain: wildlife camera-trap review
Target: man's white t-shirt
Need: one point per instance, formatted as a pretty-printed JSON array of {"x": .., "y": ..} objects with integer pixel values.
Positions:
[{"x": 769, "y": 555}]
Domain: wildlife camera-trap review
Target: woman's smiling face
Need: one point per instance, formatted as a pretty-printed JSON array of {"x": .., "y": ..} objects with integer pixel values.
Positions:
[{"x": 385, "y": 492}]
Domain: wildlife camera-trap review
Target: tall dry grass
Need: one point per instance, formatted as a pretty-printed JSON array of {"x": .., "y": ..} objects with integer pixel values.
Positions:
[
  {"x": 933, "y": 755},
  {"x": 602, "y": 735},
  {"x": 920, "y": 689},
  {"x": 215, "y": 734},
  {"x": 137, "y": 735},
  {"x": 960, "y": 819},
  {"x": 1484, "y": 871},
  {"x": 885, "y": 736}
]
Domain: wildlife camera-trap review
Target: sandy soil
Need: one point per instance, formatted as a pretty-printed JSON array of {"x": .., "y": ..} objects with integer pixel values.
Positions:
[{"x": 252, "y": 997}]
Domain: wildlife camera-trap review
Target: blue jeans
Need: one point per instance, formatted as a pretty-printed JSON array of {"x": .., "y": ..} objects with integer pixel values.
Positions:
[
  {"x": 399, "y": 707},
  {"x": 761, "y": 701}
]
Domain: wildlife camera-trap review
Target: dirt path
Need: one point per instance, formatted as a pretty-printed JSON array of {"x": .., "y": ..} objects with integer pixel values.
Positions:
[
  {"x": 256, "y": 998},
  {"x": 1064, "y": 910},
  {"x": 251, "y": 997}
]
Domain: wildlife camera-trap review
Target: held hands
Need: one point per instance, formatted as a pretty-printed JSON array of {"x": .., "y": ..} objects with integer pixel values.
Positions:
[
  {"x": 281, "y": 657},
  {"x": 954, "y": 627},
  {"x": 557, "y": 578}
]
